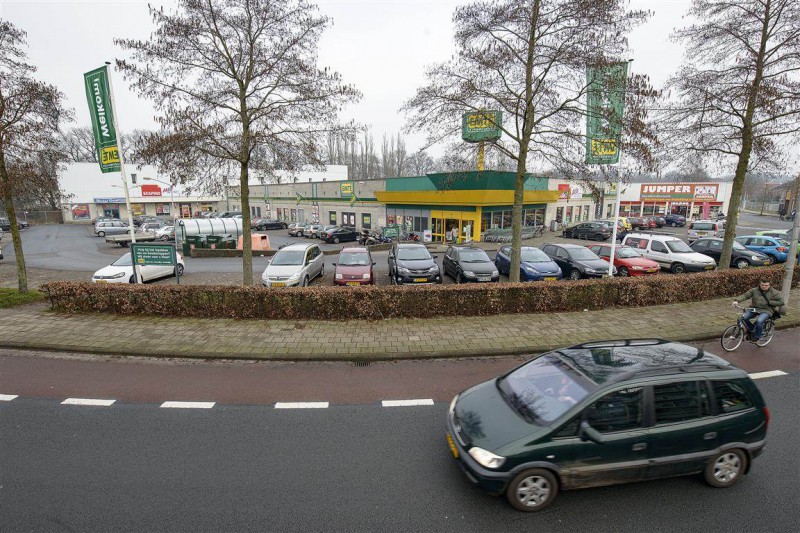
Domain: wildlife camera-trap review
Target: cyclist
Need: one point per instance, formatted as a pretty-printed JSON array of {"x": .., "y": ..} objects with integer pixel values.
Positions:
[{"x": 765, "y": 300}]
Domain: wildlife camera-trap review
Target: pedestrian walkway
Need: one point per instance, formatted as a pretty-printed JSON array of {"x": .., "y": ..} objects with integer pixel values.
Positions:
[{"x": 35, "y": 327}]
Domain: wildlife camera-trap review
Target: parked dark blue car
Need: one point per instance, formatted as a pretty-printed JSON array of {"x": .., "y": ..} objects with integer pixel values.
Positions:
[
  {"x": 675, "y": 220},
  {"x": 534, "y": 264}
]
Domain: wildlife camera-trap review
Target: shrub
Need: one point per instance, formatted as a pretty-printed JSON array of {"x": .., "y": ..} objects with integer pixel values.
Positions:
[{"x": 339, "y": 303}]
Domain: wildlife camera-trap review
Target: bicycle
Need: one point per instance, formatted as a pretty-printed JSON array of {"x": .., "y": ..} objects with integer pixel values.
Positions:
[{"x": 733, "y": 335}]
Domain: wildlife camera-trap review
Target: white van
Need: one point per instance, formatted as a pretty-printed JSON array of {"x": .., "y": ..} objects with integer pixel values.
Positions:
[{"x": 669, "y": 252}]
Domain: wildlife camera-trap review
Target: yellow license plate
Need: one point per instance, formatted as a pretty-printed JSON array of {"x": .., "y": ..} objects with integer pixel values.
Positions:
[
  {"x": 353, "y": 283},
  {"x": 709, "y": 267},
  {"x": 551, "y": 278},
  {"x": 278, "y": 284},
  {"x": 102, "y": 281},
  {"x": 420, "y": 280},
  {"x": 452, "y": 446},
  {"x": 652, "y": 270}
]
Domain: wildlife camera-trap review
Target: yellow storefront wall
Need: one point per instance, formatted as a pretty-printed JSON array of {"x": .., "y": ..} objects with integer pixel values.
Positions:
[{"x": 466, "y": 217}]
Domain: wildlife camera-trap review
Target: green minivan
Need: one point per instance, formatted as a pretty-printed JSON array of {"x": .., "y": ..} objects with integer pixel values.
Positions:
[{"x": 608, "y": 412}]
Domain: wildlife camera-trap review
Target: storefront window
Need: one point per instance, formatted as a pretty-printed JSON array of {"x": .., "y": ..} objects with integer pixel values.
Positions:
[
  {"x": 560, "y": 214},
  {"x": 486, "y": 221},
  {"x": 507, "y": 218},
  {"x": 293, "y": 215},
  {"x": 332, "y": 217},
  {"x": 568, "y": 218},
  {"x": 649, "y": 210},
  {"x": 534, "y": 217},
  {"x": 420, "y": 224},
  {"x": 366, "y": 221}
]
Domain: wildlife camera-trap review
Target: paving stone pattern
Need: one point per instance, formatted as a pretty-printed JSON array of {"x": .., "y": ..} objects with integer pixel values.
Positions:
[{"x": 35, "y": 327}]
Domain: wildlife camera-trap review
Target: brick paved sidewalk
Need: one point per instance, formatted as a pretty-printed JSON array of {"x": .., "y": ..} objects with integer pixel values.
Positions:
[{"x": 35, "y": 327}]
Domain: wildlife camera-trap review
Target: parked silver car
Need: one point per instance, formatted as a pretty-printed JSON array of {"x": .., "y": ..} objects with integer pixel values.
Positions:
[
  {"x": 295, "y": 265},
  {"x": 114, "y": 227}
]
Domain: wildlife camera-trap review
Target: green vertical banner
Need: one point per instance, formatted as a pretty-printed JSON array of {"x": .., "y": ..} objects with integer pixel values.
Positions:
[
  {"x": 605, "y": 103},
  {"x": 98, "y": 95}
]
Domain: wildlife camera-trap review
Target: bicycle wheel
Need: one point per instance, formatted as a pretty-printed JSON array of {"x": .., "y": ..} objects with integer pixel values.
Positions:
[
  {"x": 769, "y": 331},
  {"x": 731, "y": 338}
]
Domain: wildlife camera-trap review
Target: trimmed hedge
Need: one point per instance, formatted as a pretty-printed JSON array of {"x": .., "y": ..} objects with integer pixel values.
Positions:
[{"x": 339, "y": 303}]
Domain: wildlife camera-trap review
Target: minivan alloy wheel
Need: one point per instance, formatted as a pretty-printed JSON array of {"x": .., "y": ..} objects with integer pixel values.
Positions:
[
  {"x": 574, "y": 274},
  {"x": 726, "y": 468},
  {"x": 532, "y": 490}
]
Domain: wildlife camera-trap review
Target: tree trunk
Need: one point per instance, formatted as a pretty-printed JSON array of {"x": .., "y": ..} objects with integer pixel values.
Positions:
[
  {"x": 791, "y": 260},
  {"x": 8, "y": 199},
  {"x": 747, "y": 146},
  {"x": 247, "y": 241}
]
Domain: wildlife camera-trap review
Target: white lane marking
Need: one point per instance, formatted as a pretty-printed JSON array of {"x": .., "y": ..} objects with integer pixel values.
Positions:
[
  {"x": 7, "y": 397},
  {"x": 770, "y": 374},
  {"x": 87, "y": 401},
  {"x": 301, "y": 405},
  {"x": 406, "y": 403},
  {"x": 188, "y": 405}
]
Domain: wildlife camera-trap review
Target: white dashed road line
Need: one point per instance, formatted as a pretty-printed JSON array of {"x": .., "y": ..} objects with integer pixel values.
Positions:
[
  {"x": 301, "y": 405},
  {"x": 7, "y": 397},
  {"x": 770, "y": 374},
  {"x": 188, "y": 405},
  {"x": 406, "y": 403},
  {"x": 88, "y": 401}
]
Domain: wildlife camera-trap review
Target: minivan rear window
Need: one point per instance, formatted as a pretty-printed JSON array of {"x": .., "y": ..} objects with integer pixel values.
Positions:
[
  {"x": 544, "y": 389},
  {"x": 705, "y": 226},
  {"x": 731, "y": 396}
]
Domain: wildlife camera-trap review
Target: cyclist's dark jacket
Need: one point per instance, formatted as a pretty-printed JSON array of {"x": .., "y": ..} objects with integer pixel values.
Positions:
[{"x": 764, "y": 301}]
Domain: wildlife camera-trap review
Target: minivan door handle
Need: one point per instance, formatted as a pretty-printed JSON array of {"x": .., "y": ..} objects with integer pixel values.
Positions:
[
  {"x": 710, "y": 435},
  {"x": 639, "y": 446}
]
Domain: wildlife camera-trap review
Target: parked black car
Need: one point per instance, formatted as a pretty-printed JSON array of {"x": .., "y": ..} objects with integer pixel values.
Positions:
[
  {"x": 338, "y": 235},
  {"x": 675, "y": 220},
  {"x": 660, "y": 221},
  {"x": 469, "y": 263},
  {"x": 263, "y": 224},
  {"x": 741, "y": 257},
  {"x": 412, "y": 263},
  {"x": 597, "y": 231},
  {"x": 577, "y": 261}
]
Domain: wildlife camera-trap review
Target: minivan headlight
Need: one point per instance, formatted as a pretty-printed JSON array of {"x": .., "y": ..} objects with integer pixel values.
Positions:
[
  {"x": 403, "y": 270},
  {"x": 296, "y": 275},
  {"x": 453, "y": 404},
  {"x": 485, "y": 458}
]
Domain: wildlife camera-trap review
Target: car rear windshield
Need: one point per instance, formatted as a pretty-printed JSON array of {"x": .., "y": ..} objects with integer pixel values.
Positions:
[
  {"x": 582, "y": 254},
  {"x": 679, "y": 247},
  {"x": 124, "y": 261},
  {"x": 353, "y": 259},
  {"x": 627, "y": 253},
  {"x": 413, "y": 254},
  {"x": 473, "y": 256},
  {"x": 703, "y": 226},
  {"x": 544, "y": 389},
  {"x": 289, "y": 257},
  {"x": 534, "y": 255}
]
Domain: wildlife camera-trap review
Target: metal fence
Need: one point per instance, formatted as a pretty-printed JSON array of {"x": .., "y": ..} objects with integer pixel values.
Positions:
[{"x": 505, "y": 235}]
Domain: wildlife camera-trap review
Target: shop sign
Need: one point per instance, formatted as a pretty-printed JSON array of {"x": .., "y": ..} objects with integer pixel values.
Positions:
[
  {"x": 109, "y": 200},
  {"x": 137, "y": 210},
  {"x": 80, "y": 211},
  {"x": 151, "y": 190},
  {"x": 479, "y": 126},
  {"x": 346, "y": 189},
  {"x": 569, "y": 191},
  {"x": 678, "y": 191}
]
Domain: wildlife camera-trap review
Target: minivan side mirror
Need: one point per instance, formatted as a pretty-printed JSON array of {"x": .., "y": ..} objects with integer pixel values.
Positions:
[
  {"x": 587, "y": 432},
  {"x": 373, "y": 263}
]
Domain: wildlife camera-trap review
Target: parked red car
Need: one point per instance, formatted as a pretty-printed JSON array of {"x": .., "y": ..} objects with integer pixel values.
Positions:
[
  {"x": 628, "y": 261},
  {"x": 354, "y": 267},
  {"x": 651, "y": 222},
  {"x": 638, "y": 223}
]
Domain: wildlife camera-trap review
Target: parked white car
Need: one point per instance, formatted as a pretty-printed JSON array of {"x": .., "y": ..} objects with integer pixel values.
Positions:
[
  {"x": 166, "y": 233},
  {"x": 669, "y": 252},
  {"x": 121, "y": 271},
  {"x": 294, "y": 265}
]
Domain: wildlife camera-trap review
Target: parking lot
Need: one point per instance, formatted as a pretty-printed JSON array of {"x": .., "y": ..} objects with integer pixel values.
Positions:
[{"x": 71, "y": 252}]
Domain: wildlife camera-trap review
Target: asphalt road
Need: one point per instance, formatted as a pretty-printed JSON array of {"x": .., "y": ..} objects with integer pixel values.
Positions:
[
  {"x": 74, "y": 248},
  {"x": 135, "y": 467}
]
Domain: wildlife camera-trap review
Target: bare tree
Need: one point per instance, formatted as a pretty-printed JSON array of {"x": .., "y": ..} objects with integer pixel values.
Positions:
[
  {"x": 231, "y": 78},
  {"x": 30, "y": 115},
  {"x": 78, "y": 145},
  {"x": 738, "y": 91},
  {"x": 420, "y": 163},
  {"x": 528, "y": 59}
]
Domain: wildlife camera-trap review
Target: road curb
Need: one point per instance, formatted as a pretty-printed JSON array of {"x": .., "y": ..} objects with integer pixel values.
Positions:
[{"x": 333, "y": 357}]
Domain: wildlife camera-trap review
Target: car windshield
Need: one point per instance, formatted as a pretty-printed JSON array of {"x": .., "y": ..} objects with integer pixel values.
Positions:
[
  {"x": 473, "y": 256},
  {"x": 738, "y": 246},
  {"x": 354, "y": 259},
  {"x": 533, "y": 255},
  {"x": 544, "y": 389},
  {"x": 703, "y": 226},
  {"x": 124, "y": 261},
  {"x": 582, "y": 254},
  {"x": 289, "y": 257},
  {"x": 413, "y": 254},
  {"x": 678, "y": 247},
  {"x": 627, "y": 253}
]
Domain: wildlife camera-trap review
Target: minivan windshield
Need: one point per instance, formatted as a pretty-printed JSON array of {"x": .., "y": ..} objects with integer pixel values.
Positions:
[
  {"x": 413, "y": 254},
  {"x": 679, "y": 247},
  {"x": 544, "y": 389},
  {"x": 289, "y": 257}
]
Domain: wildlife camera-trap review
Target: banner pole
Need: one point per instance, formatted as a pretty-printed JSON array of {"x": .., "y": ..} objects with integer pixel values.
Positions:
[{"x": 136, "y": 276}]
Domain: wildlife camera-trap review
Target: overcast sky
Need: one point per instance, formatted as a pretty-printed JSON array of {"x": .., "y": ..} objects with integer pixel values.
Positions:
[{"x": 380, "y": 46}]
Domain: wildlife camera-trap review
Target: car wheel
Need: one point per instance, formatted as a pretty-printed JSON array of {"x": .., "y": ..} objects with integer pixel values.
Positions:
[
  {"x": 599, "y": 237},
  {"x": 742, "y": 263},
  {"x": 336, "y": 240},
  {"x": 322, "y": 272},
  {"x": 678, "y": 268},
  {"x": 101, "y": 233},
  {"x": 771, "y": 260},
  {"x": 623, "y": 272},
  {"x": 575, "y": 274},
  {"x": 532, "y": 490},
  {"x": 305, "y": 281},
  {"x": 726, "y": 468},
  {"x": 179, "y": 269}
]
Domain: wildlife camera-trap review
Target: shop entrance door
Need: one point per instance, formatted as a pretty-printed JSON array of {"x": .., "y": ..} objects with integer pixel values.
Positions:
[
  {"x": 443, "y": 230},
  {"x": 111, "y": 212}
]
